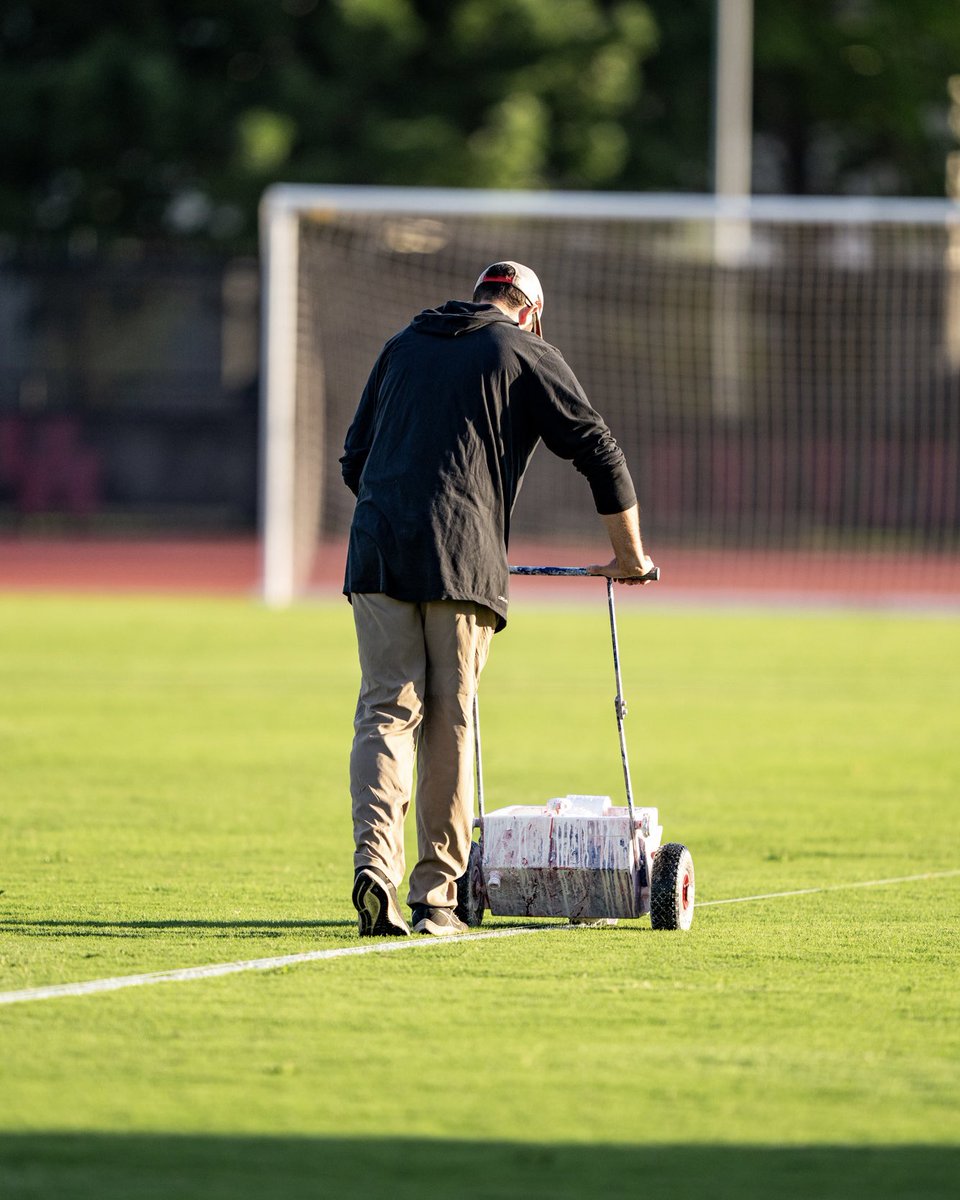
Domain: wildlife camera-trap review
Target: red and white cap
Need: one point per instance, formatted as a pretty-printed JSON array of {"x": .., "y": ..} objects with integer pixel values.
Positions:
[{"x": 520, "y": 277}]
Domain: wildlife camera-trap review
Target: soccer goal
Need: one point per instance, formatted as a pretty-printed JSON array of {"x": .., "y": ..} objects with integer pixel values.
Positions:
[{"x": 783, "y": 374}]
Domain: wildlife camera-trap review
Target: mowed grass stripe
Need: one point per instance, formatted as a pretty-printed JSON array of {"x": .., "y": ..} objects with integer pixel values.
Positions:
[{"x": 213, "y": 970}]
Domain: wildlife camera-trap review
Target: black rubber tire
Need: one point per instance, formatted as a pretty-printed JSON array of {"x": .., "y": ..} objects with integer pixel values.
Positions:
[
  {"x": 672, "y": 888},
  {"x": 471, "y": 895}
]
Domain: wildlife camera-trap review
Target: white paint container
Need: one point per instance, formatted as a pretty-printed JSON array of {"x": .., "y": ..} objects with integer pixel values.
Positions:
[{"x": 575, "y": 857}]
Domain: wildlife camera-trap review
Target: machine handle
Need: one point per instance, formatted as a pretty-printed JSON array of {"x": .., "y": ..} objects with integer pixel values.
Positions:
[{"x": 651, "y": 576}]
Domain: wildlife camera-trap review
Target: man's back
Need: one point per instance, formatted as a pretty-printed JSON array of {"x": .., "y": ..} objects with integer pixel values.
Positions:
[{"x": 448, "y": 421}]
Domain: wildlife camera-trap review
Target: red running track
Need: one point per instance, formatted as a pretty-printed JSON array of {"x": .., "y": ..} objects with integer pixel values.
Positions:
[{"x": 230, "y": 566}]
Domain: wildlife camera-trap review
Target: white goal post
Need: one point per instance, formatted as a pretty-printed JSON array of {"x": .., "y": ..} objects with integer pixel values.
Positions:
[{"x": 782, "y": 372}]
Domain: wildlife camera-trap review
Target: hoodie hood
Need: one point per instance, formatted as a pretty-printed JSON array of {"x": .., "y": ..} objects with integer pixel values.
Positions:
[{"x": 457, "y": 317}]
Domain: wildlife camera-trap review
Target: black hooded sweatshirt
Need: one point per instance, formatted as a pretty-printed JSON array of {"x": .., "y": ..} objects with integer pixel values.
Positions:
[{"x": 452, "y": 412}]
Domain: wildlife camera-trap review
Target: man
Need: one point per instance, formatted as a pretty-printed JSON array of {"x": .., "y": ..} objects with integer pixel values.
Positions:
[{"x": 454, "y": 407}]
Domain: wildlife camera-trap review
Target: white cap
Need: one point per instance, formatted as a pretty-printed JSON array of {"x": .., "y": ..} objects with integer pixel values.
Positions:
[{"x": 520, "y": 277}]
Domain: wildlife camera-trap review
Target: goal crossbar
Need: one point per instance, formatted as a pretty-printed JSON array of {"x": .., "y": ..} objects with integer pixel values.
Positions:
[{"x": 286, "y": 198}]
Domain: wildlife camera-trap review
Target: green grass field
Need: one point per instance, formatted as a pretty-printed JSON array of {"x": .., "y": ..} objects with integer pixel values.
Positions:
[{"x": 173, "y": 794}]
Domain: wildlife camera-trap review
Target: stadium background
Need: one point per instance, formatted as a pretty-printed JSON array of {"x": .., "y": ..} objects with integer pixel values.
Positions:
[{"x": 129, "y": 275}]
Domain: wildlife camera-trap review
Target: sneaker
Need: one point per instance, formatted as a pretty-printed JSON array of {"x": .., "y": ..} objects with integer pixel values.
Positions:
[
  {"x": 438, "y": 922},
  {"x": 378, "y": 909}
]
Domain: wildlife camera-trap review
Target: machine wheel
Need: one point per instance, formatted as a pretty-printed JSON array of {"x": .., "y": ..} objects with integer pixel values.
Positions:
[
  {"x": 672, "y": 888},
  {"x": 471, "y": 895}
]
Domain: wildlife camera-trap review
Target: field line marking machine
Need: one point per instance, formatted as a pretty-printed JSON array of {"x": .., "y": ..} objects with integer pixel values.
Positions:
[{"x": 578, "y": 856}]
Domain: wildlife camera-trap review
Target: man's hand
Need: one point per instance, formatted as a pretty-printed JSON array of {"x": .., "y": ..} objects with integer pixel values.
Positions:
[
  {"x": 631, "y": 564},
  {"x": 639, "y": 571}
]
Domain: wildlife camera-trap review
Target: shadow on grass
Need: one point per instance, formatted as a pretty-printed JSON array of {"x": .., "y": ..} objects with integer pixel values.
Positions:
[
  {"x": 167, "y": 1167},
  {"x": 64, "y": 928},
  {"x": 49, "y": 928}
]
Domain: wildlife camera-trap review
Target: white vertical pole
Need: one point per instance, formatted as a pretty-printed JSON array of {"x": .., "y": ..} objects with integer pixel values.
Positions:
[
  {"x": 733, "y": 98},
  {"x": 278, "y": 394},
  {"x": 952, "y": 308},
  {"x": 732, "y": 162}
]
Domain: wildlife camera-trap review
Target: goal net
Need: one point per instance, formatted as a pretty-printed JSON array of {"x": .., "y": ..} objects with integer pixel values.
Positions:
[{"x": 783, "y": 375}]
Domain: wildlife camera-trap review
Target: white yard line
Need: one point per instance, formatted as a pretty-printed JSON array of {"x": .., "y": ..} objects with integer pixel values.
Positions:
[
  {"x": 212, "y": 970},
  {"x": 832, "y": 887}
]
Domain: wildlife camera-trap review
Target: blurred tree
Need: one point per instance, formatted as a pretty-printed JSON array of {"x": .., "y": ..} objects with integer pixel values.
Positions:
[
  {"x": 161, "y": 118},
  {"x": 850, "y": 96},
  {"x": 670, "y": 120},
  {"x": 169, "y": 117}
]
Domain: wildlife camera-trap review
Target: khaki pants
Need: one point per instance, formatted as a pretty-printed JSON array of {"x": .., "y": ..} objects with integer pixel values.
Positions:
[{"x": 419, "y": 666}]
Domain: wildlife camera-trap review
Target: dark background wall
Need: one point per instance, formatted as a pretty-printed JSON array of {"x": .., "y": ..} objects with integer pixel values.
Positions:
[{"x": 128, "y": 393}]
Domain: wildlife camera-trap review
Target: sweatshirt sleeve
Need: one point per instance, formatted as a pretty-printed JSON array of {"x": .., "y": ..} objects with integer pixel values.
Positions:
[
  {"x": 573, "y": 429},
  {"x": 359, "y": 437}
]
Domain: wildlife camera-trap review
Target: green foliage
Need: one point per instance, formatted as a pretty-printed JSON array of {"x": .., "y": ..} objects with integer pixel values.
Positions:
[
  {"x": 854, "y": 95},
  {"x": 168, "y": 118}
]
